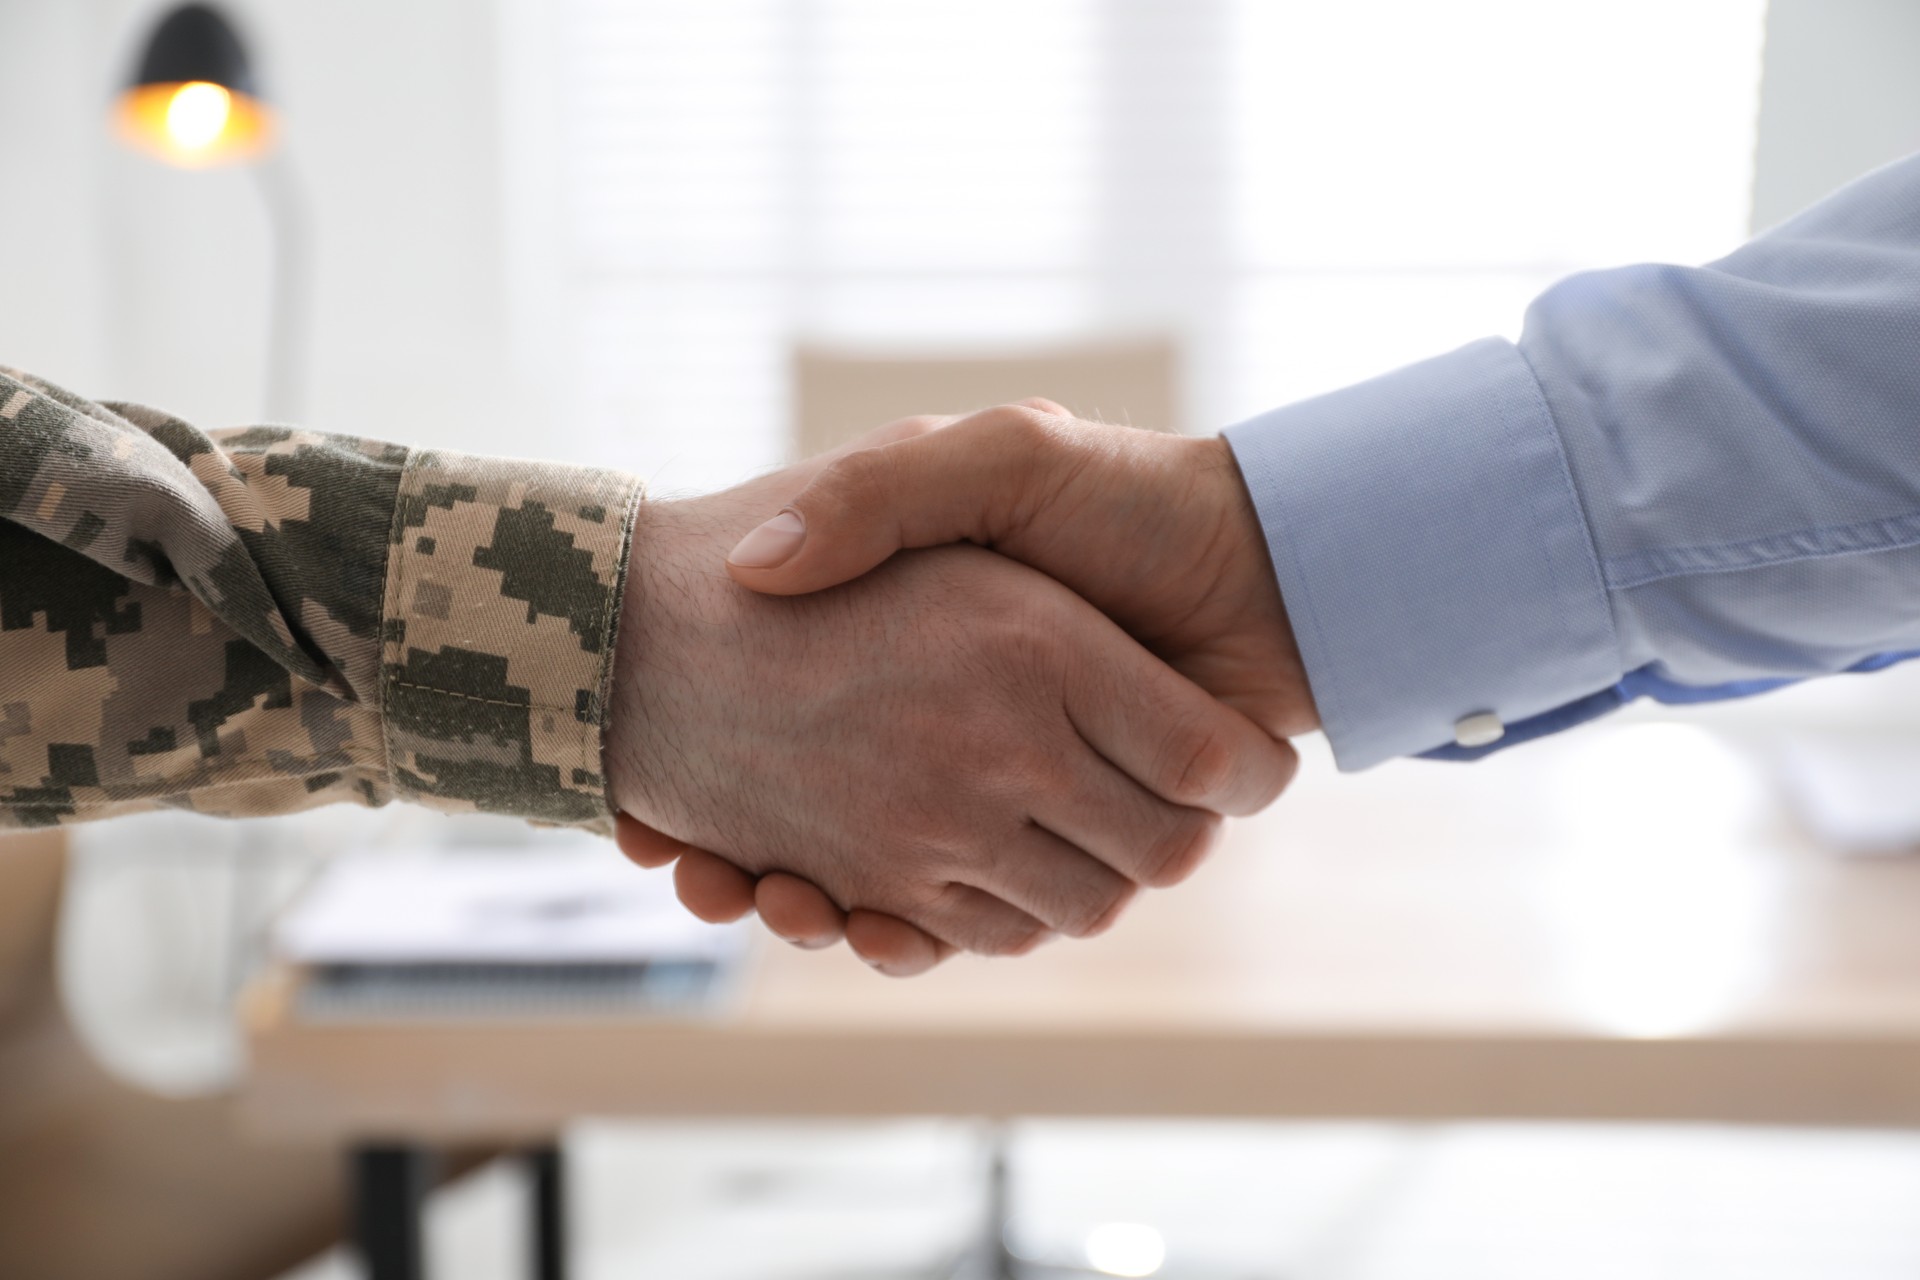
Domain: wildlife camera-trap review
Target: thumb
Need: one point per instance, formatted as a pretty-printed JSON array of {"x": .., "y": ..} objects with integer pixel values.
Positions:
[{"x": 971, "y": 481}]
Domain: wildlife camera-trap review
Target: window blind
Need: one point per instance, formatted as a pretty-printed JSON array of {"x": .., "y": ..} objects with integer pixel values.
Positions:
[{"x": 1301, "y": 194}]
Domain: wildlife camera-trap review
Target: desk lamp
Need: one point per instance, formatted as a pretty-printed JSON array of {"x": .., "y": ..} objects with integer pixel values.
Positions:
[{"x": 193, "y": 102}]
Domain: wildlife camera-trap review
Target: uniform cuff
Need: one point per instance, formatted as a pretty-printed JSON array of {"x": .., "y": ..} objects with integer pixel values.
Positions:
[
  {"x": 1431, "y": 551},
  {"x": 502, "y": 596}
]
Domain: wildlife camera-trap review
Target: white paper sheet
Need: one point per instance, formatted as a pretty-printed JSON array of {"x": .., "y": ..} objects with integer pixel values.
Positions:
[
  {"x": 1857, "y": 793},
  {"x": 562, "y": 905}
]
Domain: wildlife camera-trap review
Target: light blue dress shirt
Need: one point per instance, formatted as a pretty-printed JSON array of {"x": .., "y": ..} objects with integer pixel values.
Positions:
[{"x": 1685, "y": 483}]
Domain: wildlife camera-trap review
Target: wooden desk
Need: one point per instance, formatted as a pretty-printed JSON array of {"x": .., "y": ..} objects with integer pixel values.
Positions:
[{"x": 1618, "y": 925}]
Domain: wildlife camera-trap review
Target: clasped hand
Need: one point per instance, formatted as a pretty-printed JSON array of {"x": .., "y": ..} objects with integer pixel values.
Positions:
[{"x": 940, "y": 749}]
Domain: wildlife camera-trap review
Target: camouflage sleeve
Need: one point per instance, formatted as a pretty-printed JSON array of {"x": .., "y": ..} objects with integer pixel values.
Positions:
[{"x": 262, "y": 620}]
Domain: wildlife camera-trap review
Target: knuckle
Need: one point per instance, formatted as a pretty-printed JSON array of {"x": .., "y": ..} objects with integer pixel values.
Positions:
[
  {"x": 1017, "y": 636},
  {"x": 1015, "y": 941},
  {"x": 924, "y": 848},
  {"x": 1034, "y": 770},
  {"x": 981, "y": 924},
  {"x": 1197, "y": 766},
  {"x": 1025, "y": 426},
  {"x": 918, "y": 425},
  {"x": 1040, "y": 404},
  {"x": 859, "y": 478},
  {"x": 1102, "y": 909},
  {"x": 988, "y": 752},
  {"x": 1275, "y": 777},
  {"x": 1179, "y": 851}
]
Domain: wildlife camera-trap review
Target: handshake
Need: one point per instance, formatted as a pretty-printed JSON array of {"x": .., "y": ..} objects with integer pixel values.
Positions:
[{"x": 825, "y": 712}]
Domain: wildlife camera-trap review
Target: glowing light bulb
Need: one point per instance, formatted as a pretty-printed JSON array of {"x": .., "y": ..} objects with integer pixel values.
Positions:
[
  {"x": 1125, "y": 1249},
  {"x": 197, "y": 115},
  {"x": 196, "y": 124}
]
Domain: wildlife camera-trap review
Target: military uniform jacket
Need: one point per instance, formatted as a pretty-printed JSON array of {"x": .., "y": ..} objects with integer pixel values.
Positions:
[{"x": 262, "y": 620}]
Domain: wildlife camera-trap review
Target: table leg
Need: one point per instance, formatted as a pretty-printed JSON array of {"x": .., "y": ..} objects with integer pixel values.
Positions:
[
  {"x": 1001, "y": 1263},
  {"x": 390, "y": 1184},
  {"x": 549, "y": 1189}
]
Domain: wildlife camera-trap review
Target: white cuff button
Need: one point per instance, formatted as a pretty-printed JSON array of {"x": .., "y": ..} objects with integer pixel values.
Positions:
[{"x": 1481, "y": 729}]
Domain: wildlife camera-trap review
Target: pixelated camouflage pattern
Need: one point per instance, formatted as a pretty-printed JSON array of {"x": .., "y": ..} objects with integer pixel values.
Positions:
[
  {"x": 263, "y": 620},
  {"x": 502, "y": 597}
]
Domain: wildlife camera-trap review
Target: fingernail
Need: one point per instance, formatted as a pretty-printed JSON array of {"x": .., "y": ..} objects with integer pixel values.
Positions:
[{"x": 773, "y": 543}]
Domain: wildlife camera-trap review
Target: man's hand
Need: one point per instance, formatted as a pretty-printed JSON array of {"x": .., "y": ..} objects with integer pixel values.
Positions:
[
  {"x": 954, "y": 741},
  {"x": 1155, "y": 530}
]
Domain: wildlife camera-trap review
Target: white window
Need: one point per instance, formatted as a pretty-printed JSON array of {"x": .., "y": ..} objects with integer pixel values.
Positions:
[{"x": 1301, "y": 194}]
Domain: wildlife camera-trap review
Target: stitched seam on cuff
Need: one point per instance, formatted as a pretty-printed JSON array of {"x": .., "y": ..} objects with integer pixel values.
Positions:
[
  {"x": 602, "y": 716},
  {"x": 1867, "y": 537},
  {"x": 1596, "y": 574},
  {"x": 390, "y": 610}
]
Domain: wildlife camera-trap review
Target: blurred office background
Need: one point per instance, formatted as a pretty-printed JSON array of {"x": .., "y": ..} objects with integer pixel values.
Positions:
[{"x": 689, "y": 237}]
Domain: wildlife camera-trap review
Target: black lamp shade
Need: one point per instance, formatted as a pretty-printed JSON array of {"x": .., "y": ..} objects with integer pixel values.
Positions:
[
  {"x": 193, "y": 100},
  {"x": 196, "y": 43}
]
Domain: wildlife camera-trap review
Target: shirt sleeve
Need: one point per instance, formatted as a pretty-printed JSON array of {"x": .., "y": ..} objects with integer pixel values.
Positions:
[
  {"x": 262, "y": 620},
  {"x": 1684, "y": 483}
]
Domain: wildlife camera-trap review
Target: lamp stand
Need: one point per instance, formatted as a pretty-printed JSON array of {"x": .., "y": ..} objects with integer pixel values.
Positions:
[{"x": 289, "y": 227}]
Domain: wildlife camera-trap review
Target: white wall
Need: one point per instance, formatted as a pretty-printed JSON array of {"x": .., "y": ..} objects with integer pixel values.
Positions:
[
  {"x": 128, "y": 279},
  {"x": 1840, "y": 94},
  {"x": 51, "y": 272},
  {"x": 123, "y": 278}
]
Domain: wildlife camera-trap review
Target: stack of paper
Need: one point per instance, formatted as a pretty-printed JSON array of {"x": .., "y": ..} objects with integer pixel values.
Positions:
[{"x": 475, "y": 929}]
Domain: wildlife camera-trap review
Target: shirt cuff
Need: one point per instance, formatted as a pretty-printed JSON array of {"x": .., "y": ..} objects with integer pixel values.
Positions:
[
  {"x": 1431, "y": 551},
  {"x": 502, "y": 596}
]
